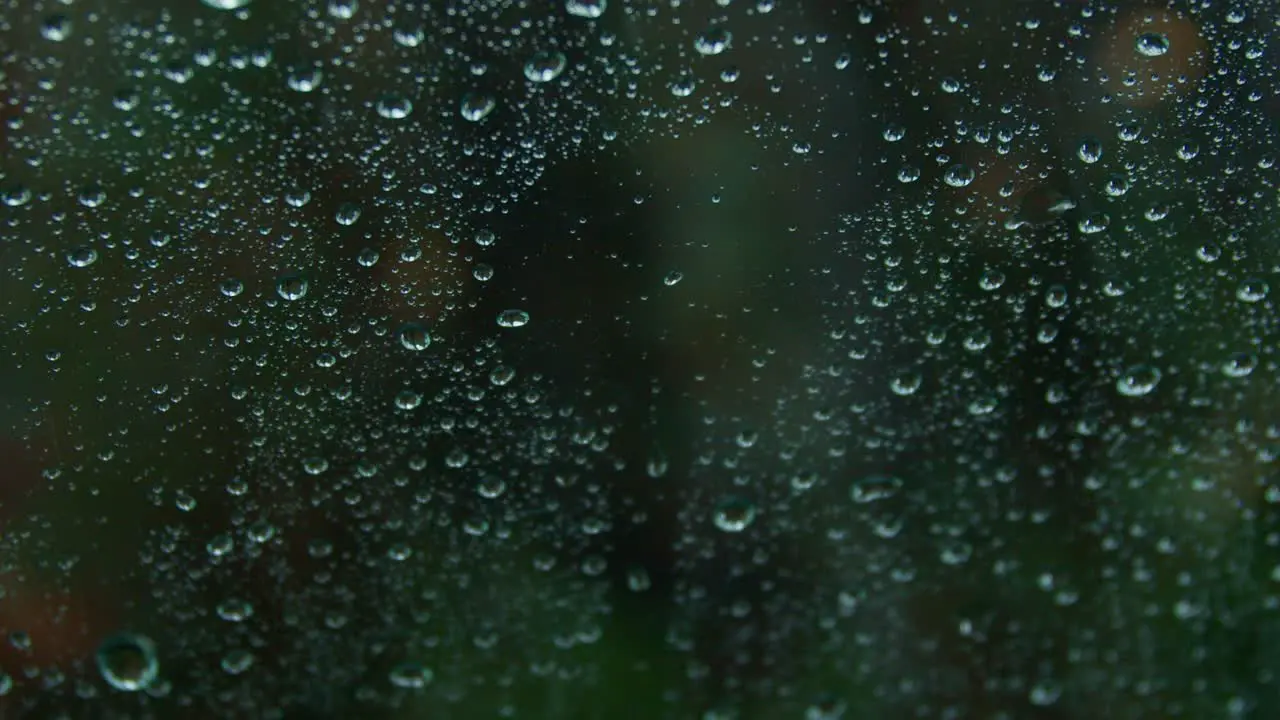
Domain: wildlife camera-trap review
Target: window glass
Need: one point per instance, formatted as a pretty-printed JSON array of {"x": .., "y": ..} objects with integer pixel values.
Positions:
[{"x": 714, "y": 359}]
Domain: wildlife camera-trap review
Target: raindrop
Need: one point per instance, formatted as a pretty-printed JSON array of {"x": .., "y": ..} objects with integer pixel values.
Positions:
[
  {"x": 394, "y": 106},
  {"x": 906, "y": 383},
  {"x": 485, "y": 237},
  {"x": 712, "y": 41},
  {"x": 1138, "y": 380},
  {"x": 1151, "y": 44},
  {"x": 874, "y": 488},
  {"x": 672, "y": 278},
  {"x": 237, "y": 662},
  {"x": 476, "y": 106},
  {"x": 513, "y": 318},
  {"x": 589, "y": 9},
  {"x": 231, "y": 287},
  {"x": 734, "y": 515},
  {"x": 82, "y": 257},
  {"x": 414, "y": 336},
  {"x": 128, "y": 661},
  {"x": 958, "y": 175},
  {"x": 1090, "y": 150},
  {"x": 1239, "y": 365},
  {"x": 305, "y": 80},
  {"x": 226, "y": 4},
  {"x": 235, "y": 610},
  {"x": 502, "y": 375},
  {"x": 1252, "y": 290},
  {"x": 410, "y": 676},
  {"x": 56, "y": 28},
  {"x": 291, "y": 287},
  {"x": 347, "y": 214},
  {"x": 544, "y": 66}
]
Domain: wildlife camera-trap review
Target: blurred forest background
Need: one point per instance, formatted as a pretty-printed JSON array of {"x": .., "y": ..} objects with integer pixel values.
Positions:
[{"x": 882, "y": 360}]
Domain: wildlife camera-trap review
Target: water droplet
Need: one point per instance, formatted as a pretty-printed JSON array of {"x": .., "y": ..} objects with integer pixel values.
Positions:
[
  {"x": 485, "y": 237},
  {"x": 1151, "y": 44},
  {"x": 513, "y": 318},
  {"x": 482, "y": 272},
  {"x": 1045, "y": 693},
  {"x": 874, "y": 488},
  {"x": 291, "y": 287},
  {"x": 672, "y": 278},
  {"x": 1239, "y": 365},
  {"x": 347, "y": 214},
  {"x": 684, "y": 85},
  {"x": 56, "y": 28},
  {"x": 410, "y": 676},
  {"x": 545, "y": 66},
  {"x": 235, "y": 610},
  {"x": 231, "y": 287},
  {"x": 82, "y": 257},
  {"x": 128, "y": 661},
  {"x": 894, "y": 133},
  {"x": 502, "y": 375},
  {"x": 1138, "y": 380},
  {"x": 713, "y": 41},
  {"x": 414, "y": 336},
  {"x": 1089, "y": 150},
  {"x": 1252, "y": 290},
  {"x": 305, "y": 80},
  {"x": 16, "y": 196},
  {"x": 476, "y": 106},
  {"x": 958, "y": 175},
  {"x": 237, "y": 662},
  {"x": 393, "y": 106},
  {"x": 734, "y": 515},
  {"x": 906, "y": 383},
  {"x": 226, "y": 4},
  {"x": 589, "y": 9},
  {"x": 368, "y": 257}
]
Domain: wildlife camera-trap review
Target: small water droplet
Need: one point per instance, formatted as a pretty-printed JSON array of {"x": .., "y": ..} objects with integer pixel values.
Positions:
[
  {"x": 410, "y": 676},
  {"x": 875, "y": 488}
]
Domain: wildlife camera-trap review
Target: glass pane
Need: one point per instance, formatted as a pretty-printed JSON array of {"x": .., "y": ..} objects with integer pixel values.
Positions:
[{"x": 696, "y": 359}]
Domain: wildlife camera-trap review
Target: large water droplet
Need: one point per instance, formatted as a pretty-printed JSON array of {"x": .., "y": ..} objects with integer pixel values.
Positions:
[
  {"x": 544, "y": 66},
  {"x": 1138, "y": 380},
  {"x": 476, "y": 106},
  {"x": 734, "y": 515},
  {"x": 226, "y": 4},
  {"x": 1151, "y": 44},
  {"x": 513, "y": 318},
  {"x": 292, "y": 287},
  {"x": 414, "y": 337},
  {"x": 590, "y": 9},
  {"x": 128, "y": 661},
  {"x": 713, "y": 41}
]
